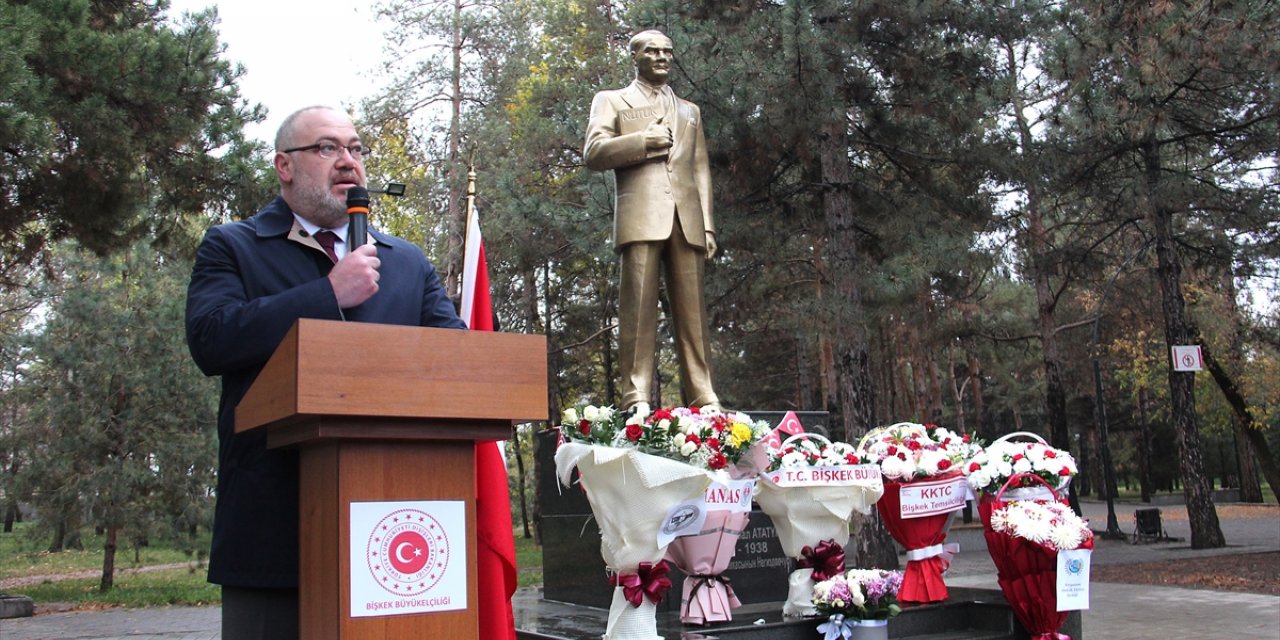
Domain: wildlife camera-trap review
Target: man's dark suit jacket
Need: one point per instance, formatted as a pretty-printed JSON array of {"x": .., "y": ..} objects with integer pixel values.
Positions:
[{"x": 252, "y": 279}]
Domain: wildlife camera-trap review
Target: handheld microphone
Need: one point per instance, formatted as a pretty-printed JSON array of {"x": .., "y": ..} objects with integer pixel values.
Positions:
[{"x": 358, "y": 217}]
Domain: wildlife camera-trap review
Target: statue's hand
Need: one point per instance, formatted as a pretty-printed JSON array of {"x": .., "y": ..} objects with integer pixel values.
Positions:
[
  {"x": 711, "y": 245},
  {"x": 657, "y": 136}
]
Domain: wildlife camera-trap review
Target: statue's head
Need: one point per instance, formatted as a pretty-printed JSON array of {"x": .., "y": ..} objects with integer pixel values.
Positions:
[{"x": 652, "y": 53}]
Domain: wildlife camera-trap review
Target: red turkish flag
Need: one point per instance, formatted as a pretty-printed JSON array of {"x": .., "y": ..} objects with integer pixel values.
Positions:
[{"x": 496, "y": 555}]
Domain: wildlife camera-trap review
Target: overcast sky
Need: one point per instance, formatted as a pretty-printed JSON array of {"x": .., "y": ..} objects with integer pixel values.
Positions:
[{"x": 296, "y": 52}]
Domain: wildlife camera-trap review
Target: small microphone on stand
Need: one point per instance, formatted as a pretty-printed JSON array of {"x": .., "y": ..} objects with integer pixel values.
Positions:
[{"x": 358, "y": 216}]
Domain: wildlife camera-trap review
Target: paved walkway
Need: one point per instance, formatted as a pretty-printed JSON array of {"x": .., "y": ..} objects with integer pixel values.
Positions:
[{"x": 1118, "y": 611}]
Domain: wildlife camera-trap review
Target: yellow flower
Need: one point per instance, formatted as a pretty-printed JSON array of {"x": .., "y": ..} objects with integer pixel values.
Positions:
[{"x": 739, "y": 434}]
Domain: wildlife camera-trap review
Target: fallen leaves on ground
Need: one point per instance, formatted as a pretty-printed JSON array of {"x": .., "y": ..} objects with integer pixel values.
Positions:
[
  {"x": 1248, "y": 572},
  {"x": 1225, "y": 512}
]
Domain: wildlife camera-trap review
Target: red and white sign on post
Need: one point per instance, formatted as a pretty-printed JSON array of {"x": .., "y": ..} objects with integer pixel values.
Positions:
[{"x": 1188, "y": 358}]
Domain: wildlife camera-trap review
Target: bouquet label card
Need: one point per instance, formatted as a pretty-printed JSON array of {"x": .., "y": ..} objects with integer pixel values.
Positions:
[
  {"x": 687, "y": 518},
  {"x": 856, "y": 475},
  {"x": 408, "y": 557},
  {"x": 733, "y": 496},
  {"x": 684, "y": 519},
  {"x": 1073, "y": 579},
  {"x": 920, "y": 499}
]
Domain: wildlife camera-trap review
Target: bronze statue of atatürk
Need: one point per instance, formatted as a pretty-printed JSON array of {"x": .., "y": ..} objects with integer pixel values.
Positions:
[{"x": 654, "y": 143}]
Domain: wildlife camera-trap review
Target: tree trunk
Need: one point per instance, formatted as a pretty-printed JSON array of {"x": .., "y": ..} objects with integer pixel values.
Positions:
[
  {"x": 517, "y": 449},
  {"x": 56, "y": 545},
  {"x": 1095, "y": 471},
  {"x": 804, "y": 393},
  {"x": 975, "y": 388},
  {"x": 934, "y": 415},
  {"x": 455, "y": 172},
  {"x": 888, "y": 398},
  {"x": 1144, "y": 445},
  {"x": 1206, "y": 533},
  {"x": 1083, "y": 484},
  {"x": 1250, "y": 488},
  {"x": 1253, "y": 430},
  {"x": 1040, "y": 248},
  {"x": 871, "y": 544},
  {"x": 957, "y": 392},
  {"x": 109, "y": 560}
]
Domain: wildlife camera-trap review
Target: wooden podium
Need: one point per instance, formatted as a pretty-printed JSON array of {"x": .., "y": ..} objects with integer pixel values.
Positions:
[{"x": 386, "y": 413}]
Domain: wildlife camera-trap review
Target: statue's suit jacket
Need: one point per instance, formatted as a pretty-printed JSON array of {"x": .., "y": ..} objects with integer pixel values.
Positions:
[{"x": 651, "y": 191}]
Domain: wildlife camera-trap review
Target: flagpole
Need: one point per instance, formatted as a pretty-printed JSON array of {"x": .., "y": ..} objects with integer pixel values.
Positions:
[
  {"x": 469, "y": 251},
  {"x": 471, "y": 201},
  {"x": 471, "y": 196}
]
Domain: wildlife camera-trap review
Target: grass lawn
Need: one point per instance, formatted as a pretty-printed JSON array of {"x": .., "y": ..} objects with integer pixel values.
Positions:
[
  {"x": 72, "y": 577},
  {"x": 182, "y": 586},
  {"x": 24, "y": 553}
]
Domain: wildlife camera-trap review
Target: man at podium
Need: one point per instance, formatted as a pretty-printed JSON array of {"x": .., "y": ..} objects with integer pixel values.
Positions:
[{"x": 251, "y": 281}]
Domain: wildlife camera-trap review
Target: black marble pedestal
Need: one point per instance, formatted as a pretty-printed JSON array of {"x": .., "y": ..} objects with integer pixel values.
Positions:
[{"x": 969, "y": 614}]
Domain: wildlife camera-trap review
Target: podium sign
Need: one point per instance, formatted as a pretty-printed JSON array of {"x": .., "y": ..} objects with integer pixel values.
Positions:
[
  {"x": 406, "y": 557},
  {"x": 398, "y": 424}
]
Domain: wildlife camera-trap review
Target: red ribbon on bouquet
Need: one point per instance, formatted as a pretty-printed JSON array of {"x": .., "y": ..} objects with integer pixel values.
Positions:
[
  {"x": 650, "y": 579},
  {"x": 826, "y": 561},
  {"x": 1051, "y": 636}
]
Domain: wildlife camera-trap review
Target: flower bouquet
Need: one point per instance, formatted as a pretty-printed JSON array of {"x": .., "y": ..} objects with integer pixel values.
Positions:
[
  {"x": 990, "y": 470},
  {"x": 635, "y": 468},
  {"x": 1041, "y": 552},
  {"x": 705, "y": 553},
  {"x": 810, "y": 489},
  {"x": 923, "y": 488},
  {"x": 858, "y": 604}
]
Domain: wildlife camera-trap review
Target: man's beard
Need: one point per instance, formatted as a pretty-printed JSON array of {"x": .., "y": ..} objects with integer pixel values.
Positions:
[{"x": 319, "y": 205}]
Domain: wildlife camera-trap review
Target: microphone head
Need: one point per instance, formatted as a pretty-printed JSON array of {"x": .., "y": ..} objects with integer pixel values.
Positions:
[{"x": 358, "y": 198}]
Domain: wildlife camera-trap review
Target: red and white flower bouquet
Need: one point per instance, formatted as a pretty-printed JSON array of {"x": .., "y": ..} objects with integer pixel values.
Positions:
[
  {"x": 991, "y": 470},
  {"x": 811, "y": 489},
  {"x": 635, "y": 467},
  {"x": 1027, "y": 540},
  {"x": 924, "y": 487}
]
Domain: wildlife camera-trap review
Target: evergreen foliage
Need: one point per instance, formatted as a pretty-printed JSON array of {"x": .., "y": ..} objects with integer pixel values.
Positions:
[{"x": 928, "y": 211}]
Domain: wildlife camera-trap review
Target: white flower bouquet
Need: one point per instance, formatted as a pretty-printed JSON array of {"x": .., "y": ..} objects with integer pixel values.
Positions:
[
  {"x": 1052, "y": 525},
  {"x": 991, "y": 468},
  {"x": 1039, "y": 472},
  {"x": 909, "y": 451},
  {"x": 706, "y": 438},
  {"x": 635, "y": 467},
  {"x": 810, "y": 490}
]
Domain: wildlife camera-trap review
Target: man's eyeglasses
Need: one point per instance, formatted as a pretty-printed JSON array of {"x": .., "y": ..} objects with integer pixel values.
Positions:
[{"x": 333, "y": 150}]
